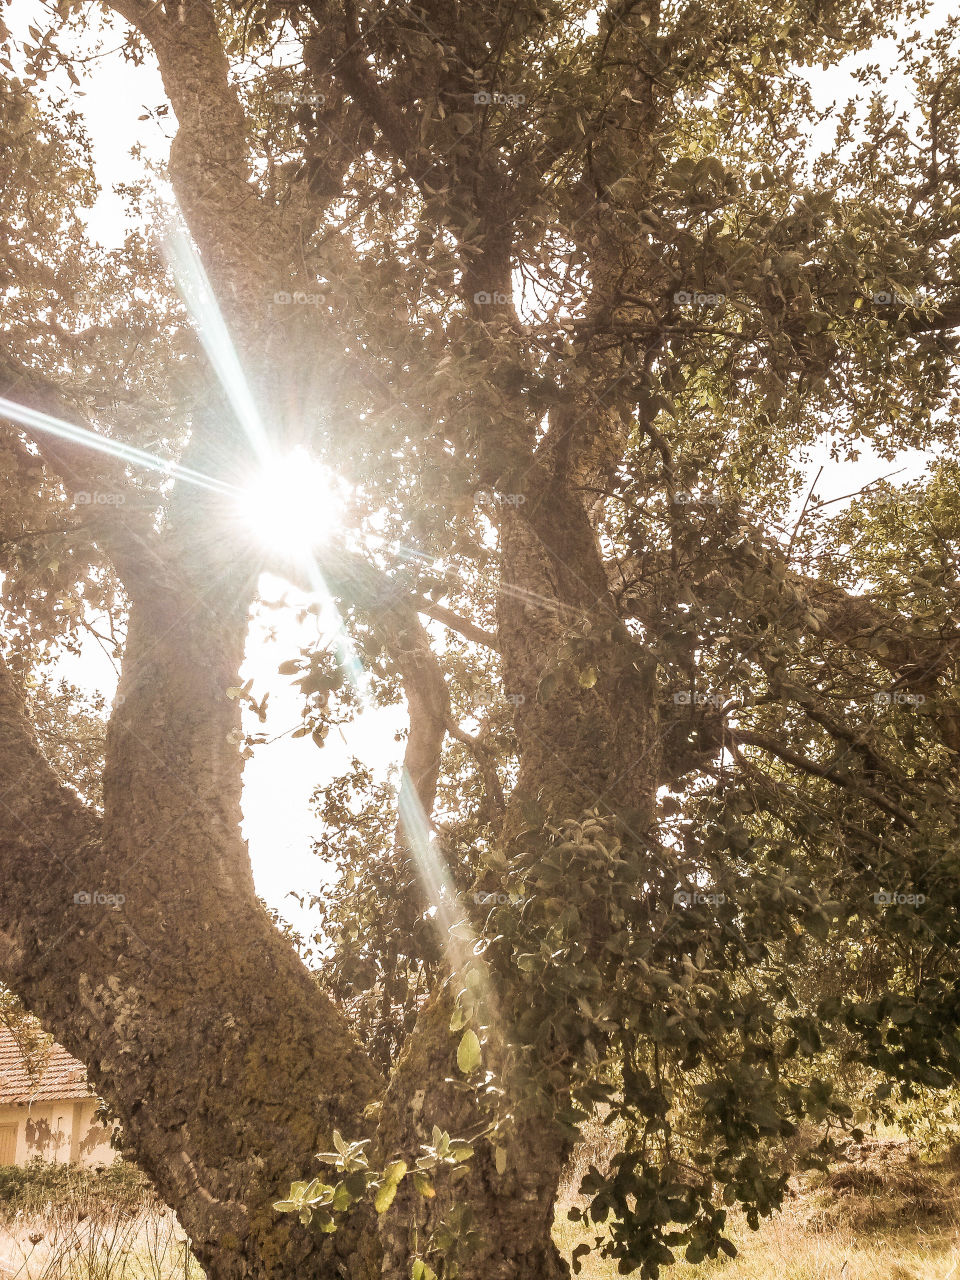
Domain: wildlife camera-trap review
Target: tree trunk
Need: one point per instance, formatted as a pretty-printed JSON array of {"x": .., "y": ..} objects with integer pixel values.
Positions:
[
  {"x": 211, "y": 1042},
  {"x": 512, "y": 1212},
  {"x": 584, "y": 746}
]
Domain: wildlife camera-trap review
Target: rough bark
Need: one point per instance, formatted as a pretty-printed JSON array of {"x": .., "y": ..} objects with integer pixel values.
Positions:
[
  {"x": 200, "y": 1026},
  {"x": 513, "y": 1211}
]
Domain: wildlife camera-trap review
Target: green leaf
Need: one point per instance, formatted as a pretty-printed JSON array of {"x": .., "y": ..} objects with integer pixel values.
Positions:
[
  {"x": 500, "y": 1156},
  {"x": 469, "y": 1055},
  {"x": 385, "y": 1197},
  {"x": 392, "y": 1177},
  {"x": 588, "y": 678},
  {"x": 342, "y": 1199}
]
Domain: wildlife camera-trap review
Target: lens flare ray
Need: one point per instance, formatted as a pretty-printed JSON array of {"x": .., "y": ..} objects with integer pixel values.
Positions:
[
  {"x": 201, "y": 302},
  {"x": 34, "y": 420}
]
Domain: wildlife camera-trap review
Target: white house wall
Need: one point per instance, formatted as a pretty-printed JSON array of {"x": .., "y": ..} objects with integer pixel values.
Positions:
[{"x": 63, "y": 1132}]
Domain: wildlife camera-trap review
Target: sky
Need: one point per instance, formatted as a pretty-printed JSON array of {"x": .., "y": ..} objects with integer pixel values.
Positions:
[{"x": 114, "y": 97}]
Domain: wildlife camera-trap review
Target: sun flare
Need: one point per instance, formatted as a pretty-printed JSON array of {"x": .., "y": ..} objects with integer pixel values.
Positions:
[{"x": 292, "y": 504}]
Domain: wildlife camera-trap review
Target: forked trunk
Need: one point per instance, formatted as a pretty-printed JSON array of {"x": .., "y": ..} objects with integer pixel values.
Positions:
[{"x": 141, "y": 944}]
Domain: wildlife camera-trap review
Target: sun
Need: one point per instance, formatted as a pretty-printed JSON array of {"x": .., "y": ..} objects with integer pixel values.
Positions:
[{"x": 292, "y": 505}]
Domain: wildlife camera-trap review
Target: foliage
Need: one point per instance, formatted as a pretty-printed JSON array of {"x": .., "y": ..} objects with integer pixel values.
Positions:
[
  {"x": 33, "y": 1043},
  {"x": 590, "y": 297}
]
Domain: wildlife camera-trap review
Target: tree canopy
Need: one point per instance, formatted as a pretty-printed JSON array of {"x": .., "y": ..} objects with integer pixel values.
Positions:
[{"x": 564, "y": 295}]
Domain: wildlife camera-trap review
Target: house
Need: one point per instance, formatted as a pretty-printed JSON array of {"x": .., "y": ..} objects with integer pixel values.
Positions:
[{"x": 49, "y": 1111}]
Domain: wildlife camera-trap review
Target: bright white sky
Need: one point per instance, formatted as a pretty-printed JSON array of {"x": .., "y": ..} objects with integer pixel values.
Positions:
[{"x": 280, "y": 778}]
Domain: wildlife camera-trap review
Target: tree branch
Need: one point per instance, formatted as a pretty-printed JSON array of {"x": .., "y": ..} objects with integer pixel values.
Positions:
[
  {"x": 45, "y": 836},
  {"x": 469, "y": 630},
  {"x": 827, "y": 772},
  {"x": 860, "y": 621},
  {"x": 124, "y": 528},
  {"x": 487, "y": 764},
  {"x": 394, "y": 615},
  {"x": 242, "y": 240}
]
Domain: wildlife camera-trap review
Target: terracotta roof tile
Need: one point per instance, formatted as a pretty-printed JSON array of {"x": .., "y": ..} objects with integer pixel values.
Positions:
[{"x": 61, "y": 1076}]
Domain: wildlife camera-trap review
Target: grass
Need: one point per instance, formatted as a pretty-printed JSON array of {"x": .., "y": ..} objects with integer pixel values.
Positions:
[
  {"x": 884, "y": 1215},
  {"x": 28, "y": 1189},
  {"x": 61, "y": 1222}
]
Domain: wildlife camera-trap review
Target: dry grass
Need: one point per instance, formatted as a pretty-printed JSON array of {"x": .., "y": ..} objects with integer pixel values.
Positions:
[
  {"x": 59, "y": 1222},
  {"x": 105, "y": 1246},
  {"x": 884, "y": 1214}
]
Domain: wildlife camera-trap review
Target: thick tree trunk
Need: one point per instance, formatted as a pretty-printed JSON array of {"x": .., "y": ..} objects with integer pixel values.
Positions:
[
  {"x": 511, "y": 1212},
  {"x": 225, "y": 1064},
  {"x": 590, "y": 739},
  {"x": 583, "y": 746}
]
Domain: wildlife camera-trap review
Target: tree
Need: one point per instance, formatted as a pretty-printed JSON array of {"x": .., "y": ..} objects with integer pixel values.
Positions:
[{"x": 586, "y": 295}]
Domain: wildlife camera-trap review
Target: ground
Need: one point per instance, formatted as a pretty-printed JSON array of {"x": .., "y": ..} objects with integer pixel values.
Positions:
[{"x": 885, "y": 1214}]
